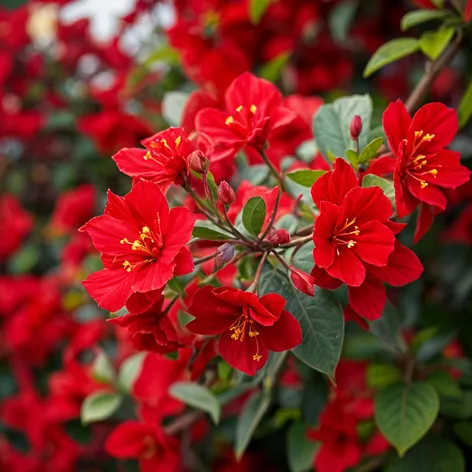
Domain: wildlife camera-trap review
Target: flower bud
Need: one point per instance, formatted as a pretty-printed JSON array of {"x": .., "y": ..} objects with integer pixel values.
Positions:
[
  {"x": 278, "y": 236},
  {"x": 225, "y": 254},
  {"x": 356, "y": 127},
  {"x": 302, "y": 281},
  {"x": 226, "y": 194},
  {"x": 198, "y": 162}
]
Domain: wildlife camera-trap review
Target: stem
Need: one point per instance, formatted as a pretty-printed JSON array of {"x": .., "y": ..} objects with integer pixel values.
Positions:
[
  {"x": 272, "y": 218},
  {"x": 432, "y": 70},
  {"x": 298, "y": 241},
  {"x": 183, "y": 422},
  {"x": 371, "y": 465},
  {"x": 204, "y": 259},
  {"x": 171, "y": 304},
  {"x": 409, "y": 371},
  {"x": 200, "y": 203},
  {"x": 257, "y": 277},
  {"x": 303, "y": 230},
  {"x": 272, "y": 168},
  {"x": 236, "y": 232},
  {"x": 281, "y": 259}
]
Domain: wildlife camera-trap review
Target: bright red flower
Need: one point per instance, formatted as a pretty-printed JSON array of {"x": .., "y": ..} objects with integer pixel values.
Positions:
[
  {"x": 249, "y": 326},
  {"x": 142, "y": 244},
  {"x": 148, "y": 443},
  {"x": 151, "y": 328},
  {"x": 164, "y": 161},
  {"x": 253, "y": 110},
  {"x": 424, "y": 168},
  {"x": 350, "y": 230}
]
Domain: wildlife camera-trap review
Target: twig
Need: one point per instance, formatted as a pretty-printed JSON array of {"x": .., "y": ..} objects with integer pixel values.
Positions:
[
  {"x": 236, "y": 232},
  {"x": 272, "y": 218},
  {"x": 298, "y": 241},
  {"x": 432, "y": 70},
  {"x": 183, "y": 422},
  {"x": 272, "y": 168},
  {"x": 371, "y": 465},
  {"x": 205, "y": 258},
  {"x": 281, "y": 259},
  {"x": 257, "y": 277}
]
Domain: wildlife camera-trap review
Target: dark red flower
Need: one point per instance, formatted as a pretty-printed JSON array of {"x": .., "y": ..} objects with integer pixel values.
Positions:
[
  {"x": 249, "y": 326},
  {"x": 164, "y": 161},
  {"x": 142, "y": 244},
  {"x": 350, "y": 231},
  {"x": 424, "y": 168},
  {"x": 253, "y": 110},
  {"x": 151, "y": 328}
]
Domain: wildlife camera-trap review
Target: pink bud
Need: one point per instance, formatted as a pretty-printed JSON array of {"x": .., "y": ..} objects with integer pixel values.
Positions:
[
  {"x": 302, "y": 281},
  {"x": 278, "y": 236},
  {"x": 356, "y": 127},
  {"x": 225, "y": 254},
  {"x": 226, "y": 194},
  {"x": 198, "y": 162}
]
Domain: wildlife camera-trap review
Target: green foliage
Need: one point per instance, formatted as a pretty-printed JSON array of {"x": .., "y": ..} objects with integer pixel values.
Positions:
[
  {"x": 254, "y": 213},
  {"x": 370, "y": 151},
  {"x": 341, "y": 18},
  {"x": 306, "y": 178},
  {"x": 300, "y": 450},
  {"x": 380, "y": 376},
  {"x": 257, "y": 8},
  {"x": 99, "y": 406},
  {"x": 417, "y": 17},
  {"x": 129, "y": 371},
  {"x": 102, "y": 369},
  {"x": 433, "y": 43},
  {"x": 465, "y": 107},
  {"x": 371, "y": 180},
  {"x": 205, "y": 229}
]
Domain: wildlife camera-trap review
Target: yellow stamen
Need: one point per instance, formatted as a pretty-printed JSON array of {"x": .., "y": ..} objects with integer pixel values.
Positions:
[
  {"x": 423, "y": 184},
  {"x": 178, "y": 141},
  {"x": 434, "y": 172},
  {"x": 127, "y": 266},
  {"x": 256, "y": 357},
  {"x": 147, "y": 156},
  {"x": 253, "y": 109},
  {"x": 229, "y": 120},
  {"x": 351, "y": 243},
  {"x": 239, "y": 108}
]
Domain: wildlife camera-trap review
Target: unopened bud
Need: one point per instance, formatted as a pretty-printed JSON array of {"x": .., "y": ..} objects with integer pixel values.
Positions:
[
  {"x": 278, "y": 236},
  {"x": 356, "y": 127},
  {"x": 198, "y": 162},
  {"x": 226, "y": 194},
  {"x": 225, "y": 254},
  {"x": 302, "y": 281}
]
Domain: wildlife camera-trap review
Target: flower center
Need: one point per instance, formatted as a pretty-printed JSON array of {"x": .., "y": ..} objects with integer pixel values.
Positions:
[
  {"x": 239, "y": 330},
  {"x": 418, "y": 165},
  {"x": 243, "y": 122},
  {"x": 345, "y": 235},
  {"x": 162, "y": 147}
]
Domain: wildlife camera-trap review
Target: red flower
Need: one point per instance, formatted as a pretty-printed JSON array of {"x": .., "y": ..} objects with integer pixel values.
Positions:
[
  {"x": 164, "y": 161},
  {"x": 424, "y": 168},
  {"x": 350, "y": 231},
  {"x": 249, "y": 326},
  {"x": 142, "y": 244},
  {"x": 147, "y": 443},
  {"x": 151, "y": 328},
  {"x": 253, "y": 110},
  {"x": 355, "y": 242}
]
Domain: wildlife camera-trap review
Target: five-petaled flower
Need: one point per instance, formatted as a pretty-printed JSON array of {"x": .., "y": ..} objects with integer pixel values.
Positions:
[
  {"x": 423, "y": 168},
  {"x": 355, "y": 242},
  {"x": 164, "y": 161},
  {"x": 142, "y": 245},
  {"x": 253, "y": 109},
  {"x": 249, "y": 326}
]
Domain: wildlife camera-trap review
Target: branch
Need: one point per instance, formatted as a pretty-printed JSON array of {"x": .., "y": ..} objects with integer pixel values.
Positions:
[
  {"x": 432, "y": 70},
  {"x": 272, "y": 168}
]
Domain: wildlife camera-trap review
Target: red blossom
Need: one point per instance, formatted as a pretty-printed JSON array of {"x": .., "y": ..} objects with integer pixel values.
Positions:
[
  {"x": 142, "y": 244},
  {"x": 424, "y": 168},
  {"x": 249, "y": 326}
]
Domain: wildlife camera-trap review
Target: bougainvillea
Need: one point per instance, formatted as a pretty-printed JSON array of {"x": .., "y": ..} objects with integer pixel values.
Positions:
[{"x": 275, "y": 280}]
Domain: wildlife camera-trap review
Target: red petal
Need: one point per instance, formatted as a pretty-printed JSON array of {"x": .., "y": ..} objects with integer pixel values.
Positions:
[
  {"x": 368, "y": 300},
  {"x": 324, "y": 280},
  {"x": 396, "y": 122},
  {"x": 351, "y": 315},
  {"x": 152, "y": 276},
  {"x": 468, "y": 11},
  {"x": 405, "y": 202},
  {"x": 183, "y": 262},
  {"x": 141, "y": 302},
  {"x": 302, "y": 281},
  {"x": 127, "y": 440},
  {"x": 274, "y": 303},
  {"x": 131, "y": 162},
  {"x": 430, "y": 194},
  {"x": 325, "y": 224},
  {"x": 240, "y": 354},
  {"x": 283, "y": 335},
  {"x": 423, "y": 222},
  {"x": 116, "y": 207},
  {"x": 347, "y": 267},
  {"x": 374, "y": 244},
  {"x": 110, "y": 288},
  {"x": 450, "y": 173},
  {"x": 178, "y": 232}
]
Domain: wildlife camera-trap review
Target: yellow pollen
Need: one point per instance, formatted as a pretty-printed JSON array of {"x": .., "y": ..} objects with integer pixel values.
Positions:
[
  {"x": 137, "y": 245},
  {"x": 256, "y": 357},
  {"x": 351, "y": 243},
  {"x": 423, "y": 184},
  {"x": 428, "y": 137},
  {"x": 178, "y": 140},
  {"x": 229, "y": 120},
  {"x": 127, "y": 266},
  {"x": 125, "y": 241},
  {"x": 418, "y": 134},
  {"x": 152, "y": 144},
  {"x": 433, "y": 172},
  {"x": 253, "y": 109},
  {"x": 147, "y": 156},
  {"x": 239, "y": 108},
  {"x": 164, "y": 142}
]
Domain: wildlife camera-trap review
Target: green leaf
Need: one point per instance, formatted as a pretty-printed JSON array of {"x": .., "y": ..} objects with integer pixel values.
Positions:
[
  {"x": 254, "y": 213},
  {"x": 465, "y": 107},
  {"x": 457, "y": 408},
  {"x": 255, "y": 174},
  {"x": 380, "y": 376},
  {"x": 99, "y": 406},
  {"x": 432, "y": 454},
  {"x": 352, "y": 157},
  {"x": 341, "y": 18},
  {"x": 320, "y": 317},
  {"x": 173, "y": 106},
  {"x": 391, "y": 52},
  {"x": 250, "y": 416},
  {"x": 315, "y": 397},
  {"x": 417, "y": 17},
  {"x": 371, "y": 180},
  {"x": 306, "y": 178},
  {"x": 271, "y": 70},
  {"x": 463, "y": 430},
  {"x": 197, "y": 396},
  {"x": 165, "y": 54},
  {"x": 205, "y": 229},
  {"x": 129, "y": 371},
  {"x": 303, "y": 258},
  {"x": 257, "y": 8},
  {"x": 433, "y": 43},
  {"x": 300, "y": 451},
  {"x": 25, "y": 259},
  {"x": 102, "y": 369},
  {"x": 445, "y": 384},
  {"x": 423, "y": 336},
  {"x": 332, "y": 121},
  {"x": 404, "y": 414},
  {"x": 370, "y": 151}
]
